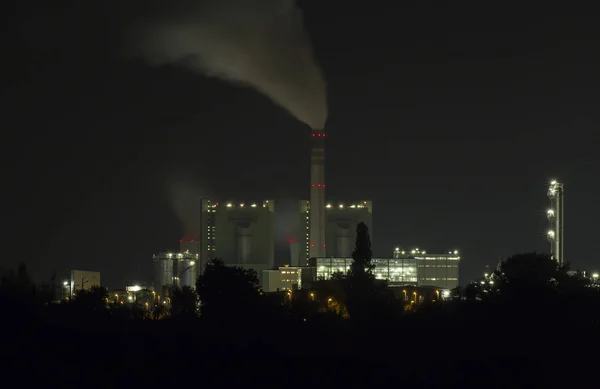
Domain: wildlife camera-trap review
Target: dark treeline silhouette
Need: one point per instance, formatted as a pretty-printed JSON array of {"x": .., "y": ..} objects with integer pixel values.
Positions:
[{"x": 530, "y": 323}]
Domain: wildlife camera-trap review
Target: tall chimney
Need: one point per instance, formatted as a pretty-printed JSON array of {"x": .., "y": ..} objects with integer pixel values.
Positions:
[{"x": 317, "y": 194}]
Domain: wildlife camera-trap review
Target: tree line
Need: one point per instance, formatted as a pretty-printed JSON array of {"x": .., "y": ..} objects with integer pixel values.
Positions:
[{"x": 523, "y": 283}]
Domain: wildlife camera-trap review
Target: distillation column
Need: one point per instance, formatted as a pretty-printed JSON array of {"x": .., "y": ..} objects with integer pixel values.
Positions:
[
  {"x": 556, "y": 220},
  {"x": 317, "y": 194}
]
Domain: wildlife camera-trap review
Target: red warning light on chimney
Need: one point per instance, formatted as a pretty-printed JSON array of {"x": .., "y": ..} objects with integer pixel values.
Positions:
[
  {"x": 324, "y": 245},
  {"x": 180, "y": 240},
  {"x": 312, "y": 245}
]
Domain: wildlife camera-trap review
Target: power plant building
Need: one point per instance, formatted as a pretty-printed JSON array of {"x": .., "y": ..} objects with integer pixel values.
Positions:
[
  {"x": 241, "y": 234},
  {"x": 341, "y": 221}
]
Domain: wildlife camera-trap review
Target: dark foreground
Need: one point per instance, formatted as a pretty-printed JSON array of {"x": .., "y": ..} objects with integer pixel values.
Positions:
[{"x": 475, "y": 347}]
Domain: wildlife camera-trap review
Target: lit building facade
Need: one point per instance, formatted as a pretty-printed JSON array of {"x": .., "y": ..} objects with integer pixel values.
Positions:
[
  {"x": 438, "y": 270},
  {"x": 393, "y": 270},
  {"x": 284, "y": 278},
  {"x": 341, "y": 220},
  {"x": 414, "y": 267}
]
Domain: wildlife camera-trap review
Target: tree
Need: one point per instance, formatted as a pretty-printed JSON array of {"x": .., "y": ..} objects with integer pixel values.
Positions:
[
  {"x": 530, "y": 270},
  {"x": 93, "y": 299},
  {"x": 184, "y": 302},
  {"x": 227, "y": 291},
  {"x": 361, "y": 286}
]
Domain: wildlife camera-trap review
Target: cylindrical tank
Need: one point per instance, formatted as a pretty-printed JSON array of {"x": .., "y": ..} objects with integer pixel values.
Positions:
[
  {"x": 342, "y": 241},
  {"x": 244, "y": 243},
  {"x": 187, "y": 273},
  {"x": 164, "y": 273}
]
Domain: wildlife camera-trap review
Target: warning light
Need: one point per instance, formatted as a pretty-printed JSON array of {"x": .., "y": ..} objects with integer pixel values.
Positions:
[
  {"x": 313, "y": 185},
  {"x": 291, "y": 241},
  {"x": 180, "y": 240},
  {"x": 324, "y": 245},
  {"x": 312, "y": 245}
]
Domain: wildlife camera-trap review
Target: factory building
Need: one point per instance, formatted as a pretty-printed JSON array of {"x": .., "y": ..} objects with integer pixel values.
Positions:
[
  {"x": 241, "y": 234},
  {"x": 341, "y": 220},
  {"x": 414, "y": 267},
  {"x": 438, "y": 270}
]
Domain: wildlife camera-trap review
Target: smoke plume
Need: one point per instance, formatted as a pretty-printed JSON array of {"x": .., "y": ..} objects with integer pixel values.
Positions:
[{"x": 260, "y": 43}]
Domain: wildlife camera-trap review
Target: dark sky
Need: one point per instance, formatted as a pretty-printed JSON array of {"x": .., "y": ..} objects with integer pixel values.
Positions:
[{"x": 451, "y": 120}]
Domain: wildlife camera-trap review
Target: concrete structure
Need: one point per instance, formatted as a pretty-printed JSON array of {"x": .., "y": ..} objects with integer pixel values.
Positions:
[
  {"x": 174, "y": 270},
  {"x": 341, "y": 220},
  {"x": 83, "y": 280},
  {"x": 241, "y": 234},
  {"x": 556, "y": 216},
  {"x": 317, "y": 195}
]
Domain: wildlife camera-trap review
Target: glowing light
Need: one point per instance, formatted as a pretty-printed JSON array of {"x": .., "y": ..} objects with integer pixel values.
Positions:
[
  {"x": 242, "y": 204},
  {"x": 66, "y": 283},
  {"x": 192, "y": 263},
  {"x": 253, "y": 205},
  {"x": 553, "y": 182},
  {"x": 180, "y": 240},
  {"x": 595, "y": 275},
  {"x": 455, "y": 252},
  {"x": 446, "y": 293},
  {"x": 341, "y": 205},
  {"x": 135, "y": 288},
  {"x": 550, "y": 233},
  {"x": 229, "y": 205},
  {"x": 328, "y": 206},
  {"x": 312, "y": 245}
]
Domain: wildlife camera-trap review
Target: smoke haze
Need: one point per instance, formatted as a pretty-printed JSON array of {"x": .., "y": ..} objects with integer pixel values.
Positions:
[
  {"x": 260, "y": 43},
  {"x": 184, "y": 196}
]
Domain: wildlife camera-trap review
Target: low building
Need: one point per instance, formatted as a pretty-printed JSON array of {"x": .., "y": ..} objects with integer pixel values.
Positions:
[
  {"x": 287, "y": 278},
  {"x": 399, "y": 271},
  {"x": 414, "y": 267}
]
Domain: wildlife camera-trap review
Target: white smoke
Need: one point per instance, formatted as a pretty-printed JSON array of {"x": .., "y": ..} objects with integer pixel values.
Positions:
[{"x": 260, "y": 43}]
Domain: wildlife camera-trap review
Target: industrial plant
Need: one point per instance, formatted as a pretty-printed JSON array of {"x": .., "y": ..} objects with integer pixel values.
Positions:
[{"x": 242, "y": 234}]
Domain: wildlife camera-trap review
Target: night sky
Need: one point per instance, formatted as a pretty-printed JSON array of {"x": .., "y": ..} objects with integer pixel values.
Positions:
[{"x": 451, "y": 120}]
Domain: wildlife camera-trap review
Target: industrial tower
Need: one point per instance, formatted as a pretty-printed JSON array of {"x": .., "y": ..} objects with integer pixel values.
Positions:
[
  {"x": 556, "y": 220},
  {"x": 317, "y": 194}
]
